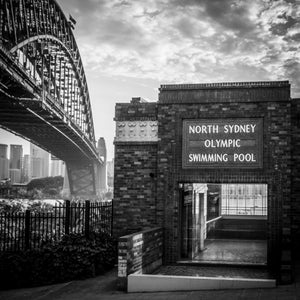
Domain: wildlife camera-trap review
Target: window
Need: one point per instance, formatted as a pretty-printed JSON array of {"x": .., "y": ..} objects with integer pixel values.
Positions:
[{"x": 244, "y": 199}]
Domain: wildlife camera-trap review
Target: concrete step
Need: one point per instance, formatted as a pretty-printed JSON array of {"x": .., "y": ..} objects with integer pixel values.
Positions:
[{"x": 163, "y": 283}]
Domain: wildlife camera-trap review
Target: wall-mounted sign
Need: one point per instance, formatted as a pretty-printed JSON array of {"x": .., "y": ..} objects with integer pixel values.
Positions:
[{"x": 224, "y": 143}]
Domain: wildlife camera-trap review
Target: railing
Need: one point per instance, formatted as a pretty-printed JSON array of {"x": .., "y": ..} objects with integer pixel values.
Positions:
[
  {"x": 253, "y": 211},
  {"x": 30, "y": 229}
]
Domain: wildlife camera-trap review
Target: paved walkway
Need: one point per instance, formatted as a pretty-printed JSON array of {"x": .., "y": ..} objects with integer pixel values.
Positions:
[
  {"x": 104, "y": 287},
  {"x": 214, "y": 271},
  {"x": 234, "y": 250}
]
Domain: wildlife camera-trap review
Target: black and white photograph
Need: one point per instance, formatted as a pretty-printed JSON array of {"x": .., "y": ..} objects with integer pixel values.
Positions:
[{"x": 149, "y": 149}]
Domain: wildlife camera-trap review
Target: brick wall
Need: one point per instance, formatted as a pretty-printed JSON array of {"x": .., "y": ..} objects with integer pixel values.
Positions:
[
  {"x": 135, "y": 111},
  {"x": 140, "y": 253},
  {"x": 135, "y": 175},
  {"x": 276, "y": 170},
  {"x": 296, "y": 176},
  {"x": 134, "y": 188},
  {"x": 269, "y": 101}
]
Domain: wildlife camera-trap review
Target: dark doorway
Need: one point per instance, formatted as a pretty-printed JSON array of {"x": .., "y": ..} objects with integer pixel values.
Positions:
[{"x": 224, "y": 223}]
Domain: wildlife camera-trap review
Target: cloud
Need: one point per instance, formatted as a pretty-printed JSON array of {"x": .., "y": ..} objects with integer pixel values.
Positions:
[
  {"x": 291, "y": 69},
  {"x": 283, "y": 27},
  {"x": 82, "y": 9},
  {"x": 189, "y": 41},
  {"x": 186, "y": 27},
  {"x": 232, "y": 15}
]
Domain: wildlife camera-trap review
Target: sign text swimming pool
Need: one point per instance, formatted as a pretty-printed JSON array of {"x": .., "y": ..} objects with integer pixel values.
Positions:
[{"x": 224, "y": 143}]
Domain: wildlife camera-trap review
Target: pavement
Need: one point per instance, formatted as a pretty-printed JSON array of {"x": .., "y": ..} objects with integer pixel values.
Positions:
[
  {"x": 105, "y": 287},
  {"x": 208, "y": 270}
]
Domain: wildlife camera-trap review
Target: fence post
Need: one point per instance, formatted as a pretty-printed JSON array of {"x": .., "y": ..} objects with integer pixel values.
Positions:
[
  {"x": 87, "y": 218},
  {"x": 67, "y": 218},
  {"x": 27, "y": 229}
]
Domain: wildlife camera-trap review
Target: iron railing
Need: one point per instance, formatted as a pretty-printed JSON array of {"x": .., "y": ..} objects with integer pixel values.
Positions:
[{"x": 30, "y": 229}]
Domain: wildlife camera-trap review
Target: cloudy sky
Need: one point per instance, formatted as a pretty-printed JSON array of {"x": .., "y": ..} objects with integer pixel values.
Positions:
[{"x": 130, "y": 47}]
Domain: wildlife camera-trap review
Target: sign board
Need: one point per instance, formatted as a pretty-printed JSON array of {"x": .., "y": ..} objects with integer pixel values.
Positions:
[{"x": 223, "y": 143}]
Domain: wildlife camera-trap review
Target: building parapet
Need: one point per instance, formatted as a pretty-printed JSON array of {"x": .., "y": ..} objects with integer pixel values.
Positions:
[
  {"x": 222, "y": 85},
  {"x": 261, "y": 91}
]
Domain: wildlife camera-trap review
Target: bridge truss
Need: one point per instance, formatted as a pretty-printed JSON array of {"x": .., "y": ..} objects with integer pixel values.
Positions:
[{"x": 43, "y": 89}]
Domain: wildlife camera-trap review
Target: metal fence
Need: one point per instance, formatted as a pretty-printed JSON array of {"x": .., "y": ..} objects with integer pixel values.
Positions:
[{"x": 30, "y": 229}]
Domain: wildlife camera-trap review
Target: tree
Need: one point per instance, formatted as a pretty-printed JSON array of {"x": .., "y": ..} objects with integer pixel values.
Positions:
[
  {"x": 46, "y": 182},
  {"x": 48, "y": 186}
]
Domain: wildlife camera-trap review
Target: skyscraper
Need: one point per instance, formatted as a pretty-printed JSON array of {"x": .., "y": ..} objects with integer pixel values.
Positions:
[
  {"x": 39, "y": 165},
  {"x": 3, "y": 162},
  {"x": 110, "y": 173},
  {"x": 102, "y": 171},
  {"x": 57, "y": 166},
  {"x": 15, "y": 163},
  {"x": 26, "y": 168},
  {"x": 16, "y": 153}
]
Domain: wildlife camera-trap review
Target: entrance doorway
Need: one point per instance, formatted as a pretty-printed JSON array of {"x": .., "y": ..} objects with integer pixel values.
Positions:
[{"x": 224, "y": 223}]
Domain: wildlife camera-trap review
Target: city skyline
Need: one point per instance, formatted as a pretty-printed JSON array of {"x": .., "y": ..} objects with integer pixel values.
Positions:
[
  {"x": 130, "y": 48},
  {"x": 21, "y": 167},
  {"x": 32, "y": 166}
]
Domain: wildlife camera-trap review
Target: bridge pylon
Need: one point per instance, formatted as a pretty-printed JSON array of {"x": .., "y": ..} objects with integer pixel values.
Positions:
[{"x": 82, "y": 180}]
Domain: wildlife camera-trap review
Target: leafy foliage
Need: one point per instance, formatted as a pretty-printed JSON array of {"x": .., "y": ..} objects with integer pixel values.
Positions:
[
  {"x": 46, "y": 183},
  {"x": 20, "y": 205},
  {"x": 44, "y": 187},
  {"x": 74, "y": 257}
]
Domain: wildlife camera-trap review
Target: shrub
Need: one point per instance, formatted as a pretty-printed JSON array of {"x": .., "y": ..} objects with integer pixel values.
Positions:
[
  {"x": 74, "y": 257},
  {"x": 46, "y": 182}
]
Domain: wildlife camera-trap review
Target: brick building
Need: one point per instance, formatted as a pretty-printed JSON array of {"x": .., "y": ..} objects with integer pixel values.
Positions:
[{"x": 217, "y": 167}]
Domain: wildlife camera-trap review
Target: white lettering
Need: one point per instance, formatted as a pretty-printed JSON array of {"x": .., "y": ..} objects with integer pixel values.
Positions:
[
  {"x": 204, "y": 129},
  {"x": 246, "y": 128},
  {"x": 230, "y": 128},
  {"x": 222, "y": 143},
  {"x": 204, "y": 157},
  {"x": 225, "y": 157},
  {"x": 192, "y": 129},
  {"x": 248, "y": 157},
  {"x": 215, "y": 128},
  {"x": 207, "y": 143}
]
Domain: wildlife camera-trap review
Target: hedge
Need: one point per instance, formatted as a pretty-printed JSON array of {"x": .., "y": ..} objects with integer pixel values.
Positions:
[{"x": 74, "y": 257}]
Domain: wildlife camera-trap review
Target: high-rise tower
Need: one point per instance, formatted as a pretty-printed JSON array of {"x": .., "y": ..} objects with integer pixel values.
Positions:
[
  {"x": 26, "y": 168},
  {"x": 3, "y": 162},
  {"x": 39, "y": 162},
  {"x": 57, "y": 166},
  {"x": 15, "y": 163},
  {"x": 102, "y": 171}
]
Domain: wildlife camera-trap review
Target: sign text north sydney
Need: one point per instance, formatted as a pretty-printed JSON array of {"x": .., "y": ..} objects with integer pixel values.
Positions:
[{"x": 225, "y": 143}]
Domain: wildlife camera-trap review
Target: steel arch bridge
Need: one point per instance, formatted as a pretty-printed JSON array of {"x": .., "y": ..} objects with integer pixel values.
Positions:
[{"x": 43, "y": 89}]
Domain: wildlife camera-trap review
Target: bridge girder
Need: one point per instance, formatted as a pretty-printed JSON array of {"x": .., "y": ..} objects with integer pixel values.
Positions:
[
  {"x": 43, "y": 90},
  {"x": 40, "y": 40}
]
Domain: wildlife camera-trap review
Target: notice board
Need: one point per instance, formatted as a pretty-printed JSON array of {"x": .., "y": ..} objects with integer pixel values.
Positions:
[{"x": 223, "y": 143}]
